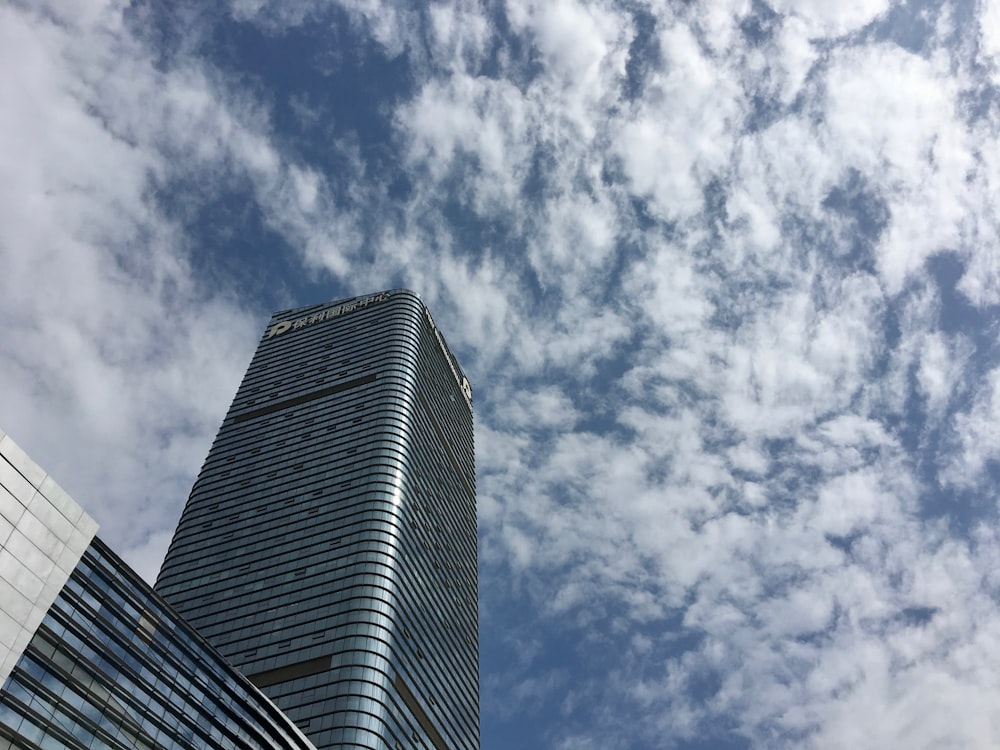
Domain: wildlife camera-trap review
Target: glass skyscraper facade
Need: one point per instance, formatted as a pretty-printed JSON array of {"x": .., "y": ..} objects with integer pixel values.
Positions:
[{"x": 328, "y": 547}]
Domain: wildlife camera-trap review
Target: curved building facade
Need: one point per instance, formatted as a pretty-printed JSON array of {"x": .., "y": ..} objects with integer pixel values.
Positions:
[{"x": 328, "y": 547}]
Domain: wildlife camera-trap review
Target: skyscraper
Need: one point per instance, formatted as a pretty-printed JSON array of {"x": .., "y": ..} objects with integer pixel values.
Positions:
[{"x": 328, "y": 547}]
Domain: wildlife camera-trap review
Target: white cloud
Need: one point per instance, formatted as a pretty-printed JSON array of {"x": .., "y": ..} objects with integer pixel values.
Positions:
[
  {"x": 977, "y": 435},
  {"x": 849, "y": 503},
  {"x": 832, "y": 19},
  {"x": 574, "y": 39},
  {"x": 583, "y": 49},
  {"x": 719, "y": 23},
  {"x": 391, "y": 27},
  {"x": 942, "y": 363},
  {"x": 981, "y": 281},
  {"x": 467, "y": 116},
  {"x": 462, "y": 34},
  {"x": 795, "y": 362},
  {"x": 850, "y": 429},
  {"x": 683, "y": 132},
  {"x": 892, "y": 115},
  {"x": 745, "y": 457},
  {"x": 547, "y": 407},
  {"x": 575, "y": 240},
  {"x": 805, "y": 611},
  {"x": 989, "y": 32},
  {"x": 673, "y": 292},
  {"x": 797, "y": 54}
]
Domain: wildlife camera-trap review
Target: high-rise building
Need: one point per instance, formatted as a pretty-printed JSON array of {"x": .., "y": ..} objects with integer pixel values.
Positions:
[
  {"x": 328, "y": 547},
  {"x": 92, "y": 657}
]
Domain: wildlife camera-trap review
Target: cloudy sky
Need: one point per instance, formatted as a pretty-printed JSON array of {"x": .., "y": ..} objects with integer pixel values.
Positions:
[{"x": 725, "y": 275}]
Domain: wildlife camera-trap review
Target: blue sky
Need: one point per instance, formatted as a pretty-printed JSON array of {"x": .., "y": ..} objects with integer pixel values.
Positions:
[{"x": 725, "y": 276}]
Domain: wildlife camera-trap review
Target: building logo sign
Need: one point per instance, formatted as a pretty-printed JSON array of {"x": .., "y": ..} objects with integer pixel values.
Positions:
[{"x": 333, "y": 312}]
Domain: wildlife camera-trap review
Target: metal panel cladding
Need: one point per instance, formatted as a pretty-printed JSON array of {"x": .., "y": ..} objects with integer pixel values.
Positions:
[{"x": 328, "y": 547}]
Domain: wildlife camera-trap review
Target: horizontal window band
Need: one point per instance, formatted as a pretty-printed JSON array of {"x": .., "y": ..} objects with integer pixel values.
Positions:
[
  {"x": 305, "y": 398},
  {"x": 290, "y": 672}
]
